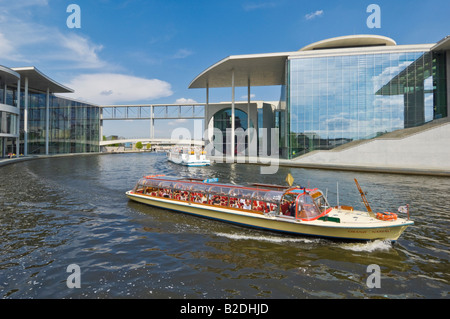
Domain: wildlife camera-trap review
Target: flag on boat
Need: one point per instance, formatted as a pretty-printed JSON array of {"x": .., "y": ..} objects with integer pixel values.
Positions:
[
  {"x": 289, "y": 179},
  {"x": 403, "y": 209}
]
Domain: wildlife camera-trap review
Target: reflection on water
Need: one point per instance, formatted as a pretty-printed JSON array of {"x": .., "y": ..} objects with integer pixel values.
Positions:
[{"x": 62, "y": 211}]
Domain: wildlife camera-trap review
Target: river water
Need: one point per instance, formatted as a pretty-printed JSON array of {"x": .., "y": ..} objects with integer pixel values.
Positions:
[{"x": 73, "y": 210}]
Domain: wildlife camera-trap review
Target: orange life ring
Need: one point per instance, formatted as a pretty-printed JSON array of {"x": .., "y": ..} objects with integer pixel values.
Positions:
[{"x": 387, "y": 216}]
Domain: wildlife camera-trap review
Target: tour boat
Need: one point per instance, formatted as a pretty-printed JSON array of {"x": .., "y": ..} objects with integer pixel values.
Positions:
[
  {"x": 188, "y": 157},
  {"x": 287, "y": 209}
]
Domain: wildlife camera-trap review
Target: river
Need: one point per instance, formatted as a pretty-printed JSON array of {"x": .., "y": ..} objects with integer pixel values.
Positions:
[{"x": 57, "y": 212}]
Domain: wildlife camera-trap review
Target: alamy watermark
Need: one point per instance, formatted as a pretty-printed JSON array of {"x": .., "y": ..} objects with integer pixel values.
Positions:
[
  {"x": 374, "y": 279},
  {"x": 74, "y": 19},
  {"x": 374, "y": 19},
  {"x": 74, "y": 279},
  {"x": 218, "y": 144}
]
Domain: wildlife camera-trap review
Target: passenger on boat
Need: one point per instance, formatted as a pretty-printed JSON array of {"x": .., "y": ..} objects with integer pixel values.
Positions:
[
  {"x": 165, "y": 193},
  {"x": 292, "y": 209},
  {"x": 284, "y": 207},
  {"x": 216, "y": 201},
  {"x": 247, "y": 205}
]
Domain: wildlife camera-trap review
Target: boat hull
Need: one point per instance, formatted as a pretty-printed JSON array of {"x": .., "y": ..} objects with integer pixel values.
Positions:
[
  {"x": 190, "y": 163},
  {"x": 188, "y": 159},
  {"x": 288, "y": 225}
]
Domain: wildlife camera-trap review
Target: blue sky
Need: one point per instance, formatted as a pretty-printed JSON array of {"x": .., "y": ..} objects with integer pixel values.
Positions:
[{"x": 140, "y": 51}]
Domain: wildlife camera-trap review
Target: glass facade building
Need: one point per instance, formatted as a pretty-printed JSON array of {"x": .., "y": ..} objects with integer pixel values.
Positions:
[
  {"x": 222, "y": 122},
  {"x": 332, "y": 100},
  {"x": 73, "y": 127},
  {"x": 9, "y": 111},
  {"x": 34, "y": 121},
  {"x": 342, "y": 89}
]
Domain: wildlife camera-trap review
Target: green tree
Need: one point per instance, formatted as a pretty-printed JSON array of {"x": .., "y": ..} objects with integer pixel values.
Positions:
[{"x": 139, "y": 145}]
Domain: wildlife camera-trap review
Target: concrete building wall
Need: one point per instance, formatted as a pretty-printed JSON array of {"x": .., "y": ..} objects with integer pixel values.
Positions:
[{"x": 428, "y": 149}]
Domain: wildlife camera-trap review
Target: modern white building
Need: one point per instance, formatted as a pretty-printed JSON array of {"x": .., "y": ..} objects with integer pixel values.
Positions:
[{"x": 340, "y": 90}]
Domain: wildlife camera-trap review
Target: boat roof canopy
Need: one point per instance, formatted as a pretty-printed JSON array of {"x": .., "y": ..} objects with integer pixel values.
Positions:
[{"x": 253, "y": 191}]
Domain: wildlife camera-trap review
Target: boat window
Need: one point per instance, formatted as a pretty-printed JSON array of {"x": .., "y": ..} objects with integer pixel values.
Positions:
[
  {"x": 218, "y": 200},
  {"x": 139, "y": 189},
  {"x": 321, "y": 201},
  {"x": 140, "y": 186},
  {"x": 235, "y": 202},
  {"x": 164, "y": 192},
  {"x": 307, "y": 208},
  {"x": 245, "y": 204},
  {"x": 219, "y": 190},
  {"x": 152, "y": 182},
  {"x": 245, "y": 193},
  {"x": 272, "y": 196},
  {"x": 199, "y": 188},
  {"x": 224, "y": 195},
  {"x": 180, "y": 194},
  {"x": 183, "y": 186},
  {"x": 287, "y": 206},
  {"x": 262, "y": 206},
  {"x": 166, "y": 184},
  {"x": 198, "y": 197},
  {"x": 151, "y": 191}
]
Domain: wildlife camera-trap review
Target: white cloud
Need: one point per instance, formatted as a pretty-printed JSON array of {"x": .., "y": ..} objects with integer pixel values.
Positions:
[
  {"x": 22, "y": 40},
  {"x": 252, "y": 96},
  {"x": 257, "y": 6},
  {"x": 177, "y": 122},
  {"x": 185, "y": 101},
  {"x": 111, "y": 88},
  {"x": 8, "y": 50},
  {"x": 313, "y": 15},
  {"x": 80, "y": 51},
  {"x": 182, "y": 53}
]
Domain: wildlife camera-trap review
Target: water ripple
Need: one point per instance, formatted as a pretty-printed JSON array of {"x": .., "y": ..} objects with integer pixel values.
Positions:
[{"x": 56, "y": 212}]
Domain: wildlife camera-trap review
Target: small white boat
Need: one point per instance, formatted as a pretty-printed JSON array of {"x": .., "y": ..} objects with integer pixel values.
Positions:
[{"x": 188, "y": 156}]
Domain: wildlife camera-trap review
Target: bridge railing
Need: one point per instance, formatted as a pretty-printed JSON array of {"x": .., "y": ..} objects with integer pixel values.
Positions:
[
  {"x": 153, "y": 141},
  {"x": 153, "y": 111}
]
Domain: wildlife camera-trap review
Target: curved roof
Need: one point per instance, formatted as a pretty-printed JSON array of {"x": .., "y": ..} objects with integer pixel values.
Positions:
[
  {"x": 349, "y": 41},
  {"x": 443, "y": 45},
  {"x": 261, "y": 69},
  {"x": 39, "y": 81},
  {"x": 269, "y": 68},
  {"x": 8, "y": 76}
]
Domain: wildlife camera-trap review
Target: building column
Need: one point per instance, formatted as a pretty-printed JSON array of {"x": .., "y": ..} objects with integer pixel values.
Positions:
[
  {"x": 232, "y": 114},
  {"x": 447, "y": 62},
  {"x": 248, "y": 118},
  {"x": 18, "y": 120},
  {"x": 25, "y": 120},
  {"x": 152, "y": 122},
  {"x": 47, "y": 121},
  {"x": 206, "y": 121},
  {"x": 100, "y": 125},
  {"x": 207, "y": 105}
]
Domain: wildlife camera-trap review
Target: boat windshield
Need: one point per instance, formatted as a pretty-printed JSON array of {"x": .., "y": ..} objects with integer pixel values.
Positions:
[
  {"x": 307, "y": 208},
  {"x": 321, "y": 201}
]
